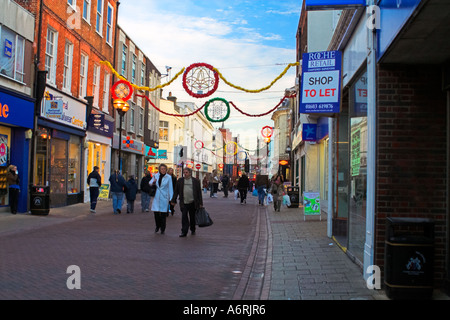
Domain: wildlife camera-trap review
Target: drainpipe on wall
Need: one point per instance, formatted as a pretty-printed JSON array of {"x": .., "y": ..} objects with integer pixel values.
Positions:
[{"x": 371, "y": 148}]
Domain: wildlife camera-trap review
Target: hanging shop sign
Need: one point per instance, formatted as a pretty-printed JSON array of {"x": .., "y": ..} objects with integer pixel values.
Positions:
[
  {"x": 333, "y": 4},
  {"x": 63, "y": 109},
  {"x": 309, "y": 132},
  {"x": 321, "y": 82},
  {"x": 98, "y": 124}
]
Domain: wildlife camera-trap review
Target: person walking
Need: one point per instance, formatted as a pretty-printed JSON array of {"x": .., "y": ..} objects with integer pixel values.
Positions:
[
  {"x": 146, "y": 191},
  {"x": 12, "y": 177},
  {"x": 242, "y": 186},
  {"x": 205, "y": 184},
  {"x": 261, "y": 183},
  {"x": 164, "y": 193},
  {"x": 130, "y": 193},
  {"x": 277, "y": 189},
  {"x": 214, "y": 184},
  {"x": 94, "y": 180},
  {"x": 188, "y": 189},
  {"x": 174, "y": 182},
  {"x": 117, "y": 183},
  {"x": 225, "y": 183}
]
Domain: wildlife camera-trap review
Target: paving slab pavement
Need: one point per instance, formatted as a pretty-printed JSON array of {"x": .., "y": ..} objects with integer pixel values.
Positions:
[{"x": 288, "y": 258}]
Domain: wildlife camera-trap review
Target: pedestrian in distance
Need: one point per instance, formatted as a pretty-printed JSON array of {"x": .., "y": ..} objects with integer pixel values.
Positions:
[
  {"x": 189, "y": 191},
  {"x": 174, "y": 182},
  {"x": 94, "y": 180},
  {"x": 214, "y": 184},
  {"x": 242, "y": 186},
  {"x": 225, "y": 183},
  {"x": 205, "y": 184},
  {"x": 261, "y": 183},
  {"x": 130, "y": 193},
  {"x": 277, "y": 190},
  {"x": 164, "y": 193},
  {"x": 12, "y": 177},
  {"x": 146, "y": 191},
  {"x": 117, "y": 186}
]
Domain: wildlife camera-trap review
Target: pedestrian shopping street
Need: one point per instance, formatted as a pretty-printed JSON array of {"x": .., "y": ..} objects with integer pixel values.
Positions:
[{"x": 249, "y": 253}]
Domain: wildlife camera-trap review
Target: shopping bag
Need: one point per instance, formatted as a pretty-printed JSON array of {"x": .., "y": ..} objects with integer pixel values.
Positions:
[
  {"x": 236, "y": 194},
  {"x": 255, "y": 193},
  {"x": 202, "y": 218},
  {"x": 286, "y": 200},
  {"x": 269, "y": 198}
]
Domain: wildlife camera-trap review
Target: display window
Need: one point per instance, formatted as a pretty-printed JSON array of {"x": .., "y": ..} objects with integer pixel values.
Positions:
[
  {"x": 58, "y": 165},
  {"x": 5, "y": 141}
]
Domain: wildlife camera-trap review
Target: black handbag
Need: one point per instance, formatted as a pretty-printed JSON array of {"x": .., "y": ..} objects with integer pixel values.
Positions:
[{"x": 202, "y": 218}]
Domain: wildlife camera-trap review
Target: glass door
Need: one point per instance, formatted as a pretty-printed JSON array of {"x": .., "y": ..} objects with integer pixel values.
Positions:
[{"x": 59, "y": 166}]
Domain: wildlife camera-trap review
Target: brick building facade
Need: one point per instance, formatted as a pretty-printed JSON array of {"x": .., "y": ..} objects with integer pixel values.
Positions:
[{"x": 72, "y": 38}]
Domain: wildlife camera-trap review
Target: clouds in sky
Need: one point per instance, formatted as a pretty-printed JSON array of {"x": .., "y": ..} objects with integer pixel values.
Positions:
[{"x": 248, "y": 41}]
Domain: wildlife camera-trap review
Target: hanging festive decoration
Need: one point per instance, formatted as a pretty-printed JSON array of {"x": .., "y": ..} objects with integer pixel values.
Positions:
[
  {"x": 170, "y": 114},
  {"x": 200, "y": 80},
  {"x": 199, "y": 77},
  {"x": 257, "y": 90},
  {"x": 122, "y": 89},
  {"x": 236, "y": 148},
  {"x": 199, "y": 144},
  {"x": 265, "y": 113},
  {"x": 267, "y": 132},
  {"x": 217, "y": 107},
  {"x": 107, "y": 64}
]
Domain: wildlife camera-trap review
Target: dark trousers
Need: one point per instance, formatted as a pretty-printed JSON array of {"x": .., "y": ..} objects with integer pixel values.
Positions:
[
  {"x": 188, "y": 218},
  {"x": 93, "y": 191},
  {"x": 243, "y": 194},
  {"x": 13, "y": 199},
  {"x": 225, "y": 190},
  {"x": 160, "y": 220}
]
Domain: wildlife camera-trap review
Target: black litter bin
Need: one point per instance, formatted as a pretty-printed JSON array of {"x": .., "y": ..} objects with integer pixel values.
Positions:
[
  {"x": 409, "y": 258},
  {"x": 40, "y": 200},
  {"x": 294, "y": 196}
]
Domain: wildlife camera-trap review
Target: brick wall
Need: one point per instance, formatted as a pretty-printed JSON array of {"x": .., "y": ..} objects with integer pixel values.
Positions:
[
  {"x": 82, "y": 34},
  {"x": 411, "y": 155}
]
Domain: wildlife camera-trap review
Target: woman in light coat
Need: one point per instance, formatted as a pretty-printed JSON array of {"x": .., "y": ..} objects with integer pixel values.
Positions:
[{"x": 164, "y": 193}]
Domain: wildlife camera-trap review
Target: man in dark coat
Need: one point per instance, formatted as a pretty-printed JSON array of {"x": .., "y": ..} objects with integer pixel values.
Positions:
[
  {"x": 130, "y": 193},
  {"x": 94, "y": 180},
  {"x": 188, "y": 189}
]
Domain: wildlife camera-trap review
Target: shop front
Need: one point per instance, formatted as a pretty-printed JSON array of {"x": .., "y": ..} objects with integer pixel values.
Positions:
[
  {"x": 16, "y": 120},
  {"x": 98, "y": 152},
  {"x": 59, "y": 148},
  {"x": 132, "y": 153}
]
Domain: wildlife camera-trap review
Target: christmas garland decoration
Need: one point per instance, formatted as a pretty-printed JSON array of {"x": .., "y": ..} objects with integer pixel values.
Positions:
[
  {"x": 257, "y": 90},
  {"x": 171, "y": 114},
  {"x": 212, "y": 101},
  {"x": 106, "y": 63},
  {"x": 197, "y": 77},
  {"x": 266, "y": 113},
  {"x": 188, "y": 77}
]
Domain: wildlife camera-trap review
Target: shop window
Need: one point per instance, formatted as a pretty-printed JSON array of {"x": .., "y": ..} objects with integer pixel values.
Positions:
[
  {"x": 42, "y": 147},
  {"x": 358, "y": 166},
  {"x": 12, "y": 57},
  {"x": 73, "y": 179},
  {"x": 58, "y": 181}
]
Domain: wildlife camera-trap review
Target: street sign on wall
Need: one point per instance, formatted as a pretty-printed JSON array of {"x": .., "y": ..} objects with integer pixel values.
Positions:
[{"x": 321, "y": 82}]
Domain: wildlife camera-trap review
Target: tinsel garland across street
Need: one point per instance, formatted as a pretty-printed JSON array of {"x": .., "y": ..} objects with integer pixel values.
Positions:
[{"x": 198, "y": 76}]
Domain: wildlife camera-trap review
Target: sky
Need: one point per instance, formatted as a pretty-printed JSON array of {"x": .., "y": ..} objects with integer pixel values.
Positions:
[{"x": 249, "y": 42}]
